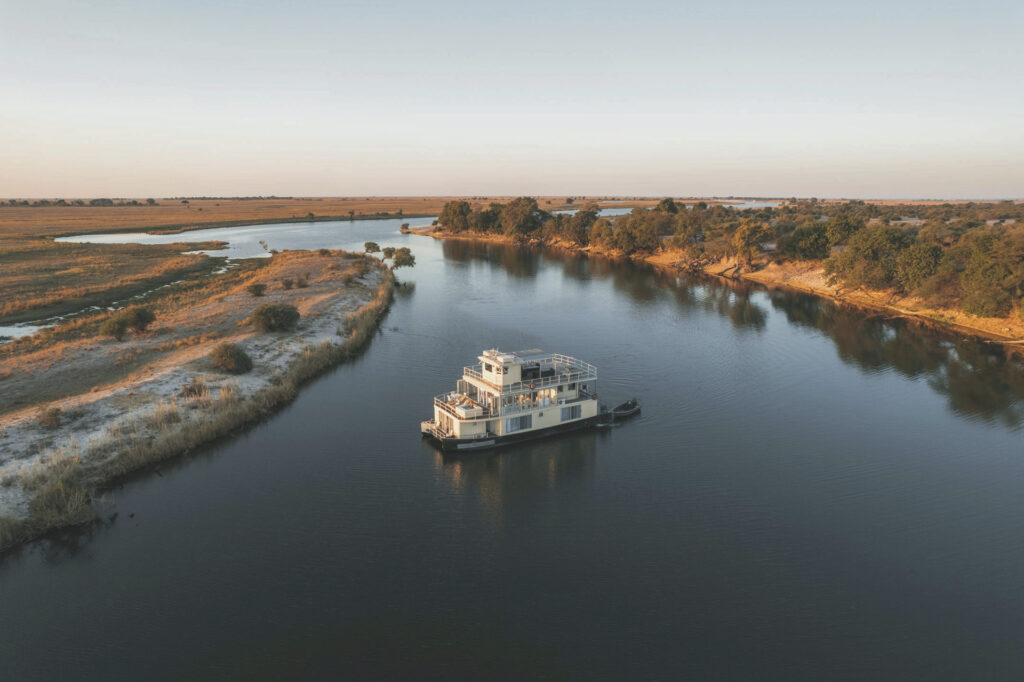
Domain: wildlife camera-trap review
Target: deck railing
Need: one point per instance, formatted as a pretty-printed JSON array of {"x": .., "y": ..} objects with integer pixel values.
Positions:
[{"x": 567, "y": 370}]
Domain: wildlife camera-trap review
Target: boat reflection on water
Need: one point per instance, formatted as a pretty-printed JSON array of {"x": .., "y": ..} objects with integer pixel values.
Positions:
[{"x": 499, "y": 479}]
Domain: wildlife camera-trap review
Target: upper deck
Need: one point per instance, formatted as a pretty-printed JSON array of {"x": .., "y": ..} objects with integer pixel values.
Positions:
[{"x": 526, "y": 371}]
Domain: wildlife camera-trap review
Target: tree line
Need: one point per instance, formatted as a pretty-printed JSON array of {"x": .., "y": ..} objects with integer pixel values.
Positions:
[{"x": 967, "y": 255}]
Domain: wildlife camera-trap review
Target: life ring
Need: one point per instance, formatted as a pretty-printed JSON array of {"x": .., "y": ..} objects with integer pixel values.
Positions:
[{"x": 532, "y": 386}]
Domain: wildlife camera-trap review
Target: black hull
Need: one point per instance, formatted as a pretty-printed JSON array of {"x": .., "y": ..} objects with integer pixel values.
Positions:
[{"x": 470, "y": 444}]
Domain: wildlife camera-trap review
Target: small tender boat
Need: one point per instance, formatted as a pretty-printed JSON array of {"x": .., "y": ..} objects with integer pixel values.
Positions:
[
  {"x": 626, "y": 410},
  {"x": 619, "y": 413}
]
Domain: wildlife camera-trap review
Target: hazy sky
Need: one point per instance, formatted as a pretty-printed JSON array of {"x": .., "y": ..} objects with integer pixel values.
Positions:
[{"x": 807, "y": 98}]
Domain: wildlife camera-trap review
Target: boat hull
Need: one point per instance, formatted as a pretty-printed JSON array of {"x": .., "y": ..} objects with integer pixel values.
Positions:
[{"x": 490, "y": 442}]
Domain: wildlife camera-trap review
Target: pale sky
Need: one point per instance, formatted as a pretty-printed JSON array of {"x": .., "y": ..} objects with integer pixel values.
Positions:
[{"x": 900, "y": 99}]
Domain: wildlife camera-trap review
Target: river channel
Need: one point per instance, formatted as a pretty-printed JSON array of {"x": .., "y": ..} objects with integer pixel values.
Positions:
[{"x": 811, "y": 492}]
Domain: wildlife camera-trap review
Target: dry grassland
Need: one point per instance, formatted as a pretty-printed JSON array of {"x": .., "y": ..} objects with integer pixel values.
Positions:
[{"x": 42, "y": 278}]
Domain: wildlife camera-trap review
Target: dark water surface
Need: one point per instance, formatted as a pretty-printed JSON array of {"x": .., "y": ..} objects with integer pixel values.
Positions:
[{"x": 810, "y": 493}]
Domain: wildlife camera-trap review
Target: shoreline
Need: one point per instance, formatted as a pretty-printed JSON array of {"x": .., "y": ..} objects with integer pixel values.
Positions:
[
  {"x": 55, "y": 478},
  {"x": 806, "y": 278}
]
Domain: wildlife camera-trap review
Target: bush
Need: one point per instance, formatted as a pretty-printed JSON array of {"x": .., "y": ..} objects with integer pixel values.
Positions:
[
  {"x": 275, "y": 317},
  {"x": 115, "y": 325},
  {"x": 256, "y": 289},
  {"x": 302, "y": 282},
  {"x": 287, "y": 283},
  {"x": 361, "y": 267},
  {"x": 371, "y": 247},
  {"x": 232, "y": 358},
  {"x": 139, "y": 318},
  {"x": 324, "y": 252},
  {"x": 194, "y": 389},
  {"x": 50, "y": 419}
]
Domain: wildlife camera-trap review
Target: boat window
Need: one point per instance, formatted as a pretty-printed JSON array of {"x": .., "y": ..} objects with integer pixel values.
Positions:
[
  {"x": 560, "y": 387},
  {"x": 574, "y": 412},
  {"x": 572, "y": 387},
  {"x": 518, "y": 423},
  {"x": 487, "y": 368}
]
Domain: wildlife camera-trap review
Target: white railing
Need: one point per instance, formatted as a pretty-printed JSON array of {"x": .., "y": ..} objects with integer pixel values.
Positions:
[{"x": 567, "y": 370}]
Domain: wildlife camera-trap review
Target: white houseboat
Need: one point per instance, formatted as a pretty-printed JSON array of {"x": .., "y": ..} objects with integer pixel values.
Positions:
[{"x": 510, "y": 397}]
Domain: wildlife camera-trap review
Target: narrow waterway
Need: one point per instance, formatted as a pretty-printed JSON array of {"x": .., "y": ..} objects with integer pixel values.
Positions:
[{"x": 810, "y": 493}]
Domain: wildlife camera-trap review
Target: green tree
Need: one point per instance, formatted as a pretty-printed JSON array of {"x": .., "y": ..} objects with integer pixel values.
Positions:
[
  {"x": 521, "y": 217},
  {"x": 916, "y": 264},
  {"x": 455, "y": 216},
  {"x": 806, "y": 243},
  {"x": 666, "y": 205},
  {"x": 388, "y": 252},
  {"x": 403, "y": 258},
  {"x": 748, "y": 237},
  {"x": 371, "y": 247},
  {"x": 870, "y": 259}
]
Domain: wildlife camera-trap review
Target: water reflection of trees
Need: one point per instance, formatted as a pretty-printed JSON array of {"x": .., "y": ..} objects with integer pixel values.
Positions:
[
  {"x": 979, "y": 379},
  {"x": 499, "y": 478}
]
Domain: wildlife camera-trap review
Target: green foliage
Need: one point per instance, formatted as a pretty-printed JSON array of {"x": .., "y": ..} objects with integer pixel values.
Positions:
[
  {"x": 230, "y": 357},
  {"x": 521, "y": 217},
  {"x": 139, "y": 318},
  {"x": 842, "y": 226},
  {"x": 748, "y": 237},
  {"x": 454, "y": 216},
  {"x": 916, "y": 264},
  {"x": 403, "y": 259},
  {"x": 371, "y": 247},
  {"x": 666, "y": 205},
  {"x": 272, "y": 317},
  {"x": 870, "y": 259},
  {"x": 256, "y": 289},
  {"x": 388, "y": 252},
  {"x": 806, "y": 243},
  {"x": 116, "y": 325}
]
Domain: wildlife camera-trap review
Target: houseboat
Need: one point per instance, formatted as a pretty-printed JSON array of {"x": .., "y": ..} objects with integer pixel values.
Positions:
[{"x": 510, "y": 397}]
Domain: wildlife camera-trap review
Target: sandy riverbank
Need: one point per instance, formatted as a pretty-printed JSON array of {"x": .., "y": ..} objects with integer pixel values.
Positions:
[
  {"x": 122, "y": 405},
  {"x": 803, "y": 276}
]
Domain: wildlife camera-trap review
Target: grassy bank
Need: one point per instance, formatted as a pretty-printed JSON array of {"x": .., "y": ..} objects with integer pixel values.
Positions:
[{"x": 65, "y": 482}]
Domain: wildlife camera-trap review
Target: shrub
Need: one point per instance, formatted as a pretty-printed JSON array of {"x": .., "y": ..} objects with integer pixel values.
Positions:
[
  {"x": 324, "y": 252},
  {"x": 194, "y": 388},
  {"x": 275, "y": 317},
  {"x": 361, "y": 267},
  {"x": 231, "y": 357},
  {"x": 139, "y": 318},
  {"x": 256, "y": 289},
  {"x": 287, "y": 283},
  {"x": 302, "y": 282},
  {"x": 50, "y": 419},
  {"x": 115, "y": 325},
  {"x": 371, "y": 247},
  {"x": 389, "y": 251}
]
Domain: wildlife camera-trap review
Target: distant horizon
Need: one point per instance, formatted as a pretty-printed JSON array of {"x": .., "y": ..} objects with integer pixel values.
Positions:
[
  {"x": 880, "y": 98},
  {"x": 470, "y": 195}
]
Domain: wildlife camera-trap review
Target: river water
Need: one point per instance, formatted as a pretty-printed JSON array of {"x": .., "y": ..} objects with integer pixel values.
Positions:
[{"x": 810, "y": 493}]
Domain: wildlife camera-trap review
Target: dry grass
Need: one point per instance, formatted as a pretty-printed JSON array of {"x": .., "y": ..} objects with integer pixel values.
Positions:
[
  {"x": 41, "y": 278},
  {"x": 64, "y": 481}
]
